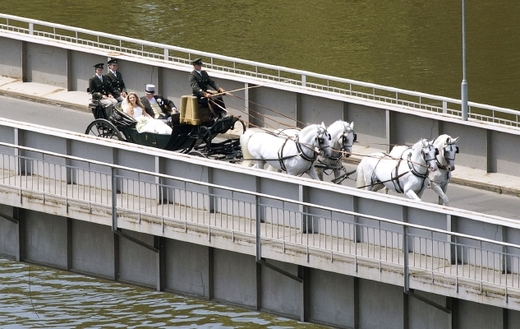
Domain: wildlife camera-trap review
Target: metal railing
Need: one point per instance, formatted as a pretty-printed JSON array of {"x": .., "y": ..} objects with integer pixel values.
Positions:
[
  {"x": 167, "y": 201},
  {"x": 71, "y": 36}
]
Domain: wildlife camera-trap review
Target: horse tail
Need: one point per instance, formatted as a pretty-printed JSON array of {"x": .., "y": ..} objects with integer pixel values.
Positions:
[
  {"x": 360, "y": 179},
  {"x": 247, "y": 157}
]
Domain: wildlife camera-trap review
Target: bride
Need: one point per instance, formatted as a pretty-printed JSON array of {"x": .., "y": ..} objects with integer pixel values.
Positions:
[{"x": 145, "y": 123}]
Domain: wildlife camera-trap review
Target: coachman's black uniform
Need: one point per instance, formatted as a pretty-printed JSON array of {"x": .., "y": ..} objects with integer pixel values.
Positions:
[
  {"x": 95, "y": 85},
  {"x": 115, "y": 84},
  {"x": 199, "y": 84}
]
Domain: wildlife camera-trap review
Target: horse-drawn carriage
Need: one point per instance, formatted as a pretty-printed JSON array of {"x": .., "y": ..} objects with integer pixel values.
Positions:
[{"x": 194, "y": 129}]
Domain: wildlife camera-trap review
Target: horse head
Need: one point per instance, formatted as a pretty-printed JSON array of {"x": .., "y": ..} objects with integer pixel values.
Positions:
[
  {"x": 322, "y": 140},
  {"x": 429, "y": 154},
  {"x": 343, "y": 137},
  {"x": 348, "y": 137},
  {"x": 448, "y": 149}
]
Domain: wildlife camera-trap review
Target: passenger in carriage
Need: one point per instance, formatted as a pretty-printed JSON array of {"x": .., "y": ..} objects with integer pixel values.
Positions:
[
  {"x": 145, "y": 122},
  {"x": 115, "y": 83},
  {"x": 200, "y": 81},
  {"x": 98, "y": 84},
  {"x": 134, "y": 107},
  {"x": 156, "y": 105}
]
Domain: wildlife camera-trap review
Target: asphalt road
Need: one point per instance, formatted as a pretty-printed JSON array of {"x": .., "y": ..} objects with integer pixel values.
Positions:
[{"x": 462, "y": 197}]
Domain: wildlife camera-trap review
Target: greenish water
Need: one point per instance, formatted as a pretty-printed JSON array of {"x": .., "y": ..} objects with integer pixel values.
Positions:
[
  {"x": 409, "y": 44},
  {"x": 39, "y": 297}
]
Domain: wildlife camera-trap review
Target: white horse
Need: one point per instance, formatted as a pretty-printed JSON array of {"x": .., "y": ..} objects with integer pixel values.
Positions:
[
  {"x": 406, "y": 174},
  {"x": 448, "y": 149},
  {"x": 342, "y": 137},
  {"x": 439, "y": 179},
  {"x": 296, "y": 155}
]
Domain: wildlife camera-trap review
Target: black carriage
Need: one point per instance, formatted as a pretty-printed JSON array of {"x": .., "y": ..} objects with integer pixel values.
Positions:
[{"x": 194, "y": 130}]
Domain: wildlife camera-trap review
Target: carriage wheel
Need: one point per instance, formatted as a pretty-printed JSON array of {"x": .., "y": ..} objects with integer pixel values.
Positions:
[{"x": 105, "y": 129}]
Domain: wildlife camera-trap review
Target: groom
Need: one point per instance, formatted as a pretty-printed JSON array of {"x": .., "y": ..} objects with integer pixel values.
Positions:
[{"x": 156, "y": 105}]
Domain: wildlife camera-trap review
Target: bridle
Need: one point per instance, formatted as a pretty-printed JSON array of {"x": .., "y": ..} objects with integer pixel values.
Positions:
[
  {"x": 344, "y": 144},
  {"x": 447, "y": 159},
  {"x": 411, "y": 166}
]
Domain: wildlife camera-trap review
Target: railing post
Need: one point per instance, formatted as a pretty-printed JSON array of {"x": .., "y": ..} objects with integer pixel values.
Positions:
[
  {"x": 257, "y": 234},
  {"x": 114, "y": 199},
  {"x": 406, "y": 283},
  {"x": 166, "y": 54}
]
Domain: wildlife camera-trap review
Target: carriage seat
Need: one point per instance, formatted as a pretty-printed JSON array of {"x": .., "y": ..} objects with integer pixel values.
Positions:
[
  {"x": 192, "y": 112},
  {"x": 121, "y": 118}
]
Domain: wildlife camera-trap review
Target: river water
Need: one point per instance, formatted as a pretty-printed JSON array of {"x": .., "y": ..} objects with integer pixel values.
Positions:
[
  {"x": 39, "y": 297},
  {"x": 409, "y": 44}
]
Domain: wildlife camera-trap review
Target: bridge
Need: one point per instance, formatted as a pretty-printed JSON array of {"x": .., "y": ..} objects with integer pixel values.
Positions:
[{"x": 311, "y": 250}]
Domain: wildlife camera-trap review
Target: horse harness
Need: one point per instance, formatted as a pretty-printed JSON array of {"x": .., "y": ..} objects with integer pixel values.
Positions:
[
  {"x": 299, "y": 148},
  {"x": 336, "y": 159},
  {"x": 395, "y": 176},
  {"x": 440, "y": 165}
]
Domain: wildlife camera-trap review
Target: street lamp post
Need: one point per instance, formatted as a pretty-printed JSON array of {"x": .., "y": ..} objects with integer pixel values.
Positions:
[{"x": 464, "y": 84}]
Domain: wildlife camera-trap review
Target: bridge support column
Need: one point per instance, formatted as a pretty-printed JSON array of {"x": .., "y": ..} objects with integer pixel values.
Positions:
[
  {"x": 303, "y": 274},
  {"x": 69, "y": 244},
  {"x": 116, "y": 257},
  {"x": 21, "y": 238},
  {"x": 159, "y": 245}
]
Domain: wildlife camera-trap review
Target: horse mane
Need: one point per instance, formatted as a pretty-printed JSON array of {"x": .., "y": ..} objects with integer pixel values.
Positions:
[
  {"x": 442, "y": 138},
  {"x": 421, "y": 142},
  {"x": 445, "y": 139},
  {"x": 339, "y": 126},
  {"x": 308, "y": 128}
]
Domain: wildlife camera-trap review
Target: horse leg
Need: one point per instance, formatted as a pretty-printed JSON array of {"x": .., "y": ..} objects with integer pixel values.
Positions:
[
  {"x": 444, "y": 189},
  {"x": 441, "y": 192},
  {"x": 271, "y": 168},
  {"x": 411, "y": 194},
  {"x": 319, "y": 172},
  {"x": 259, "y": 164},
  {"x": 360, "y": 179},
  {"x": 312, "y": 173},
  {"x": 337, "y": 174}
]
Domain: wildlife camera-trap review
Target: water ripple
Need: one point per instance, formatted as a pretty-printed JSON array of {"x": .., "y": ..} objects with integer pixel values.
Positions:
[{"x": 39, "y": 297}]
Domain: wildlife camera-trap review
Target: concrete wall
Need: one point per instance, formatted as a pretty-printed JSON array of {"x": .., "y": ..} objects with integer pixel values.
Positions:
[
  {"x": 323, "y": 297},
  {"x": 11, "y": 54},
  {"x": 93, "y": 249},
  {"x": 378, "y": 125},
  {"x": 9, "y": 241}
]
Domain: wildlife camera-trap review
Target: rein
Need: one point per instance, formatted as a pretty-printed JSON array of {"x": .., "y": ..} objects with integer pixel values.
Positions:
[
  {"x": 395, "y": 176},
  {"x": 304, "y": 156},
  {"x": 336, "y": 159}
]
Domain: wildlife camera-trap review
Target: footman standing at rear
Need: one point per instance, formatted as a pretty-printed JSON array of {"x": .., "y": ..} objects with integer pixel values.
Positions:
[
  {"x": 116, "y": 85},
  {"x": 98, "y": 84}
]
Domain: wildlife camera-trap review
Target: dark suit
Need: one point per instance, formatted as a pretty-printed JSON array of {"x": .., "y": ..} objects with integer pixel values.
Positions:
[
  {"x": 166, "y": 106},
  {"x": 200, "y": 82},
  {"x": 199, "y": 85},
  {"x": 115, "y": 84},
  {"x": 96, "y": 86}
]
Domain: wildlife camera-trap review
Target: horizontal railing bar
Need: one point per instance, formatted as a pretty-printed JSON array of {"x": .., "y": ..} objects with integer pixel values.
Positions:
[{"x": 251, "y": 193}]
